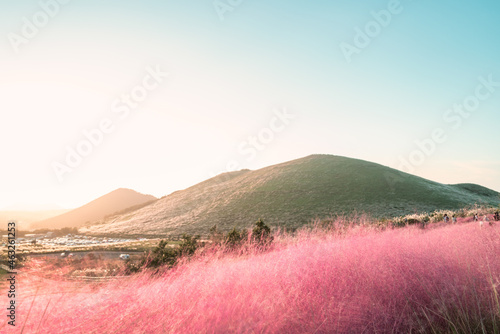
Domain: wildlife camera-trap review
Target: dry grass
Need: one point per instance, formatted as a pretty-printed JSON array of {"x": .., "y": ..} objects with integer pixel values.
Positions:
[{"x": 350, "y": 280}]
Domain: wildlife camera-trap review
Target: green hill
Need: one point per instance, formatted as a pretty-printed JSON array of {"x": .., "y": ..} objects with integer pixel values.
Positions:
[{"x": 291, "y": 194}]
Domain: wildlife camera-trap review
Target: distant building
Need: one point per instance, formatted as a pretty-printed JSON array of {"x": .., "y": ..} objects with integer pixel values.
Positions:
[{"x": 49, "y": 235}]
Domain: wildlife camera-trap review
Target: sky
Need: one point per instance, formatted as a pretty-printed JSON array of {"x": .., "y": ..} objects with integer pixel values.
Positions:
[{"x": 157, "y": 96}]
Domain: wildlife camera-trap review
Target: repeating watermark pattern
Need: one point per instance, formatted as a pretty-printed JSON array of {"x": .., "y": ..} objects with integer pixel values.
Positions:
[
  {"x": 122, "y": 107},
  {"x": 222, "y": 7},
  {"x": 248, "y": 149},
  {"x": 11, "y": 291},
  {"x": 31, "y": 26},
  {"x": 453, "y": 119},
  {"x": 372, "y": 29}
]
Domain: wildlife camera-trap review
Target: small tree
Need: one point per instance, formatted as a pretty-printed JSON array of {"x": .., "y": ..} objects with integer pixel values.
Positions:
[
  {"x": 162, "y": 254},
  {"x": 189, "y": 245},
  {"x": 261, "y": 233},
  {"x": 233, "y": 238}
]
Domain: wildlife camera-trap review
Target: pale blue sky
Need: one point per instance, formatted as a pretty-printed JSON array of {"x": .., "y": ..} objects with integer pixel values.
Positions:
[{"x": 225, "y": 79}]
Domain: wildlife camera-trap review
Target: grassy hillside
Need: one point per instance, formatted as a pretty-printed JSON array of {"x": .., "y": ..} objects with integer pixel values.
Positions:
[
  {"x": 117, "y": 201},
  {"x": 291, "y": 194}
]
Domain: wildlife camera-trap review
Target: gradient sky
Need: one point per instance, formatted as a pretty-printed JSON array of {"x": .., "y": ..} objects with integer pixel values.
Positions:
[{"x": 226, "y": 80}]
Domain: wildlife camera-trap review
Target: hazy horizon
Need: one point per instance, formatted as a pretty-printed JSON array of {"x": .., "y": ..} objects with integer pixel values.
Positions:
[{"x": 157, "y": 96}]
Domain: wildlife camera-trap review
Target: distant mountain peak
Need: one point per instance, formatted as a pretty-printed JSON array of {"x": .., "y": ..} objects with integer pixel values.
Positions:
[{"x": 108, "y": 204}]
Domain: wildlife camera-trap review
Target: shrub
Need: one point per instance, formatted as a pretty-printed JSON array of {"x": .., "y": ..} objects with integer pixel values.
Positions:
[
  {"x": 413, "y": 221},
  {"x": 261, "y": 233},
  {"x": 234, "y": 238},
  {"x": 161, "y": 255},
  {"x": 189, "y": 245},
  {"x": 164, "y": 255}
]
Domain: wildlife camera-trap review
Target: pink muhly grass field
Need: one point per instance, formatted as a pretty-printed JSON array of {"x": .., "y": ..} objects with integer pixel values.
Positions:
[{"x": 404, "y": 280}]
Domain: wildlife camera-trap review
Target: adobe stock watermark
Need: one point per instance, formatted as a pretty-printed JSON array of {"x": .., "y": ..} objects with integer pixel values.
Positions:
[
  {"x": 372, "y": 29},
  {"x": 122, "y": 106},
  {"x": 31, "y": 27},
  {"x": 225, "y": 6},
  {"x": 249, "y": 148},
  {"x": 453, "y": 119}
]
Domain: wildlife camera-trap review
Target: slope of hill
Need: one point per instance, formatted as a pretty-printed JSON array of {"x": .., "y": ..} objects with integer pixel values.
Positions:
[
  {"x": 115, "y": 202},
  {"x": 292, "y": 194}
]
